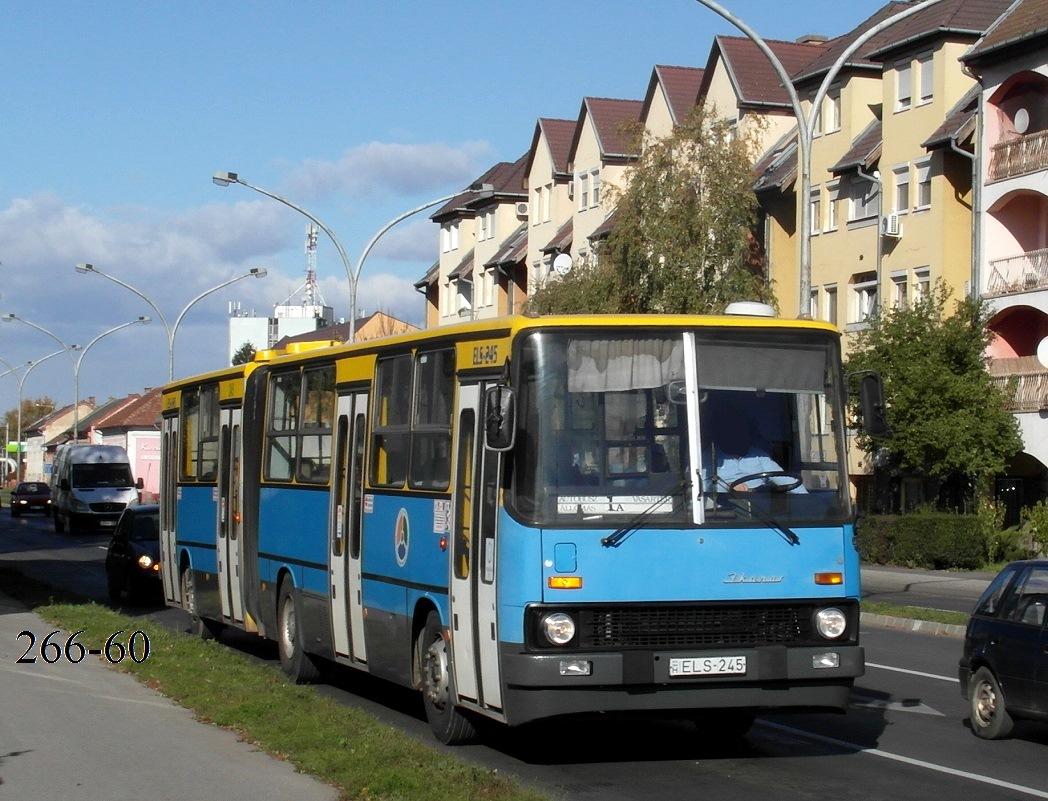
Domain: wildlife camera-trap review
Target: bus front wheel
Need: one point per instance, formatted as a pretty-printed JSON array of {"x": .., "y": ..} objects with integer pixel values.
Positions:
[
  {"x": 294, "y": 661},
  {"x": 449, "y": 723}
]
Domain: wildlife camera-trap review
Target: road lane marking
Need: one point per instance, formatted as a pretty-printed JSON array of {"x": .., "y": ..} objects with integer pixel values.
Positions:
[
  {"x": 951, "y": 679},
  {"x": 870, "y": 702},
  {"x": 920, "y": 763}
]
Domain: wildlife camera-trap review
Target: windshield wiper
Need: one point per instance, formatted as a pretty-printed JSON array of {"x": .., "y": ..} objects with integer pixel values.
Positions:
[
  {"x": 616, "y": 537},
  {"x": 788, "y": 534}
]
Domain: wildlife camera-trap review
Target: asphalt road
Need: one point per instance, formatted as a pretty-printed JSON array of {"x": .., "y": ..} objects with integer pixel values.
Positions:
[{"x": 904, "y": 737}]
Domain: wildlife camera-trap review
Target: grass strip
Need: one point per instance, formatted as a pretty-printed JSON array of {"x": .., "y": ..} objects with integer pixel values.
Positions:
[
  {"x": 915, "y": 613},
  {"x": 344, "y": 747}
]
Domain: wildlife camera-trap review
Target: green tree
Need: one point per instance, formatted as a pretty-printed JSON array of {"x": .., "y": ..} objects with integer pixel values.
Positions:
[
  {"x": 244, "y": 354},
  {"x": 682, "y": 239},
  {"x": 948, "y": 420}
]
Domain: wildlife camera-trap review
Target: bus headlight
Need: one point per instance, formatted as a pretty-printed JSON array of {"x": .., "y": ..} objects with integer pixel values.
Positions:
[
  {"x": 559, "y": 628},
  {"x": 831, "y": 622}
]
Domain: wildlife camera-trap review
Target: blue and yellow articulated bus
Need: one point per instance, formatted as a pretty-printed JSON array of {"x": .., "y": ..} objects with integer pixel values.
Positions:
[{"x": 531, "y": 517}]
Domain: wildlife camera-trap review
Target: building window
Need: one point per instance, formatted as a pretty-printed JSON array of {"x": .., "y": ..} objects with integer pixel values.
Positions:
[
  {"x": 582, "y": 188},
  {"x": 547, "y": 196},
  {"x": 817, "y": 127},
  {"x": 922, "y": 283},
  {"x": 863, "y": 199},
  {"x": 449, "y": 239},
  {"x": 925, "y": 77},
  {"x": 815, "y": 208},
  {"x": 833, "y": 110},
  {"x": 830, "y": 292},
  {"x": 813, "y": 303},
  {"x": 486, "y": 226},
  {"x": 595, "y": 188},
  {"x": 833, "y": 194},
  {"x": 901, "y": 177},
  {"x": 538, "y": 204},
  {"x": 864, "y": 290},
  {"x": 900, "y": 289},
  {"x": 924, "y": 184},
  {"x": 903, "y": 86}
]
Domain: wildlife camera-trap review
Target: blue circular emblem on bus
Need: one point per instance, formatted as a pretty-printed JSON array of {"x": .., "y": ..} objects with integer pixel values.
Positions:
[{"x": 401, "y": 537}]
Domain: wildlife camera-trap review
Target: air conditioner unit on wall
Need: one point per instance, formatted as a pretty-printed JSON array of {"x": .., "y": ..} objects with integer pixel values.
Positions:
[
  {"x": 522, "y": 209},
  {"x": 890, "y": 226}
]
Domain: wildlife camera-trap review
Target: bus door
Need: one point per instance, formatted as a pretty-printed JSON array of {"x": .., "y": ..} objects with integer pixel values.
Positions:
[
  {"x": 230, "y": 521},
  {"x": 347, "y": 489},
  {"x": 474, "y": 631},
  {"x": 168, "y": 506}
]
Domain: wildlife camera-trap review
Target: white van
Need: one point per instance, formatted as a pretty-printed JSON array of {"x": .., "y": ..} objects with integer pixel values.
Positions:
[{"x": 90, "y": 486}]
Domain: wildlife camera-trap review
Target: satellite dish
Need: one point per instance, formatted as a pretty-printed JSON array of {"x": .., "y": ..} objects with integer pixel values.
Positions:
[
  {"x": 1022, "y": 121},
  {"x": 562, "y": 264},
  {"x": 1042, "y": 352}
]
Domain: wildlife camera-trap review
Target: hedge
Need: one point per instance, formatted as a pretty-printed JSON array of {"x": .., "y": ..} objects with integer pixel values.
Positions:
[{"x": 931, "y": 540}]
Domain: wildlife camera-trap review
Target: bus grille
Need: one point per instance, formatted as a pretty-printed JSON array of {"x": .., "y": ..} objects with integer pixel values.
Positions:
[{"x": 694, "y": 627}]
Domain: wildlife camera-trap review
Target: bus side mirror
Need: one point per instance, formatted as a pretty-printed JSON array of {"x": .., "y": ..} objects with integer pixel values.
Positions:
[
  {"x": 871, "y": 397},
  {"x": 500, "y": 418}
]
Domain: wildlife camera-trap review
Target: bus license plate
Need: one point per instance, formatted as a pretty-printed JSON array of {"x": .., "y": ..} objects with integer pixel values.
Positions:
[{"x": 707, "y": 666}]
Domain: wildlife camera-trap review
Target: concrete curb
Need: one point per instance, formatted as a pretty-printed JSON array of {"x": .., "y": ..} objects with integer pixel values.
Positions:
[{"x": 908, "y": 624}]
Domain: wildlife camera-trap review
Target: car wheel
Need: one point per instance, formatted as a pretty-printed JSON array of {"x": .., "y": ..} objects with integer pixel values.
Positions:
[
  {"x": 988, "y": 714},
  {"x": 295, "y": 662},
  {"x": 450, "y": 724},
  {"x": 59, "y": 523},
  {"x": 15, "y": 512},
  {"x": 113, "y": 587}
]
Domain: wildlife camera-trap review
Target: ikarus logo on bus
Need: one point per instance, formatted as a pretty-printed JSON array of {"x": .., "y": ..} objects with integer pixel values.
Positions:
[{"x": 401, "y": 538}]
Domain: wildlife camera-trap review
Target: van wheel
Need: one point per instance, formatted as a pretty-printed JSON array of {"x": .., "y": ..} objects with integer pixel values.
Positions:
[
  {"x": 450, "y": 724},
  {"x": 294, "y": 661}
]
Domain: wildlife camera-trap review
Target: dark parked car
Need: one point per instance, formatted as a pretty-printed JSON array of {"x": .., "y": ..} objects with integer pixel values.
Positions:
[
  {"x": 31, "y": 496},
  {"x": 1004, "y": 669},
  {"x": 133, "y": 558}
]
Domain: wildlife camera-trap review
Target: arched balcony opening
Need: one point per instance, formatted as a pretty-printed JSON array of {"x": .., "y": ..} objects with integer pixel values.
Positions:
[
  {"x": 1017, "y": 126},
  {"x": 1016, "y": 244},
  {"x": 1012, "y": 357}
]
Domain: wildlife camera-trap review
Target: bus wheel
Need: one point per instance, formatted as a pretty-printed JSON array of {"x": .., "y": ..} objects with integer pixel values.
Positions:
[
  {"x": 295, "y": 662},
  {"x": 449, "y": 723},
  {"x": 200, "y": 627}
]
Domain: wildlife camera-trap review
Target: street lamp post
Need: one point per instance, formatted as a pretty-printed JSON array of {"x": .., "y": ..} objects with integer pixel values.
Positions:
[
  {"x": 76, "y": 369},
  {"x": 170, "y": 330},
  {"x": 67, "y": 348},
  {"x": 21, "y": 380},
  {"x": 353, "y": 275}
]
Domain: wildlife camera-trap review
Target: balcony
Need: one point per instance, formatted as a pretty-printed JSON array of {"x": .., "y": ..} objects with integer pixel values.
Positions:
[
  {"x": 1023, "y": 381},
  {"x": 1020, "y": 156},
  {"x": 1026, "y": 272}
]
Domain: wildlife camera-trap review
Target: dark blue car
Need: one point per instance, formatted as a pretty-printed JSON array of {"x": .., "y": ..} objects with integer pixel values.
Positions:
[
  {"x": 1004, "y": 669},
  {"x": 133, "y": 557}
]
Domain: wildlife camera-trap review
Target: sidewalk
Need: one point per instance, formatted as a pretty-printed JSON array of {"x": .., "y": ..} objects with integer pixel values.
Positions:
[{"x": 85, "y": 731}]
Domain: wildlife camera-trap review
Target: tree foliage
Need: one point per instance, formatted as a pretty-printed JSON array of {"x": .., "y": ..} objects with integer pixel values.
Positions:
[
  {"x": 244, "y": 354},
  {"x": 948, "y": 420},
  {"x": 682, "y": 238}
]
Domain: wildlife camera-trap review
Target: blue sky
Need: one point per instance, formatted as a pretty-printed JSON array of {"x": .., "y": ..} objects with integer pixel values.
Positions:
[{"x": 116, "y": 114}]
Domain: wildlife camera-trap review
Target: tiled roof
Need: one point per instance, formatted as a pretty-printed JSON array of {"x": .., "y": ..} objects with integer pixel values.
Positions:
[
  {"x": 558, "y": 135},
  {"x": 430, "y": 277},
  {"x": 778, "y": 167},
  {"x": 333, "y": 333},
  {"x": 959, "y": 123},
  {"x": 513, "y": 248},
  {"x": 609, "y": 118},
  {"x": 135, "y": 411},
  {"x": 464, "y": 268},
  {"x": 602, "y": 230},
  {"x": 681, "y": 87},
  {"x": 506, "y": 179},
  {"x": 755, "y": 80},
  {"x": 858, "y": 60},
  {"x": 964, "y": 18},
  {"x": 1023, "y": 22},
  {"x": 865, "y": 150},
  {"x": 561, "y": 240}
]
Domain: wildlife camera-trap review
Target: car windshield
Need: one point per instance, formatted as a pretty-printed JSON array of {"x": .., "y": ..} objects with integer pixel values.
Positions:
[
  {"x": 144, "y": 528},
  {"x": 606, "y": 428},
  {"x": 102, "y": 475}
]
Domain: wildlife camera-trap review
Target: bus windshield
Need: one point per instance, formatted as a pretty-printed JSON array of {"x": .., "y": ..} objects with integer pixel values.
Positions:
[{"x": 607, "y": 428}]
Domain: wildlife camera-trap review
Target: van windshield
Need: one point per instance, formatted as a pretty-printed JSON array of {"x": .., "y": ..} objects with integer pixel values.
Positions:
[{"x": 102, "y": 475}]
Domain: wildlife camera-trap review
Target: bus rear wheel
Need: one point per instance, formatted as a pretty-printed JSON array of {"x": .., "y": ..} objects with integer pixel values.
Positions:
[
  {"x": 450, "y": 724},
  {"x": 294, "y": 661}
]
